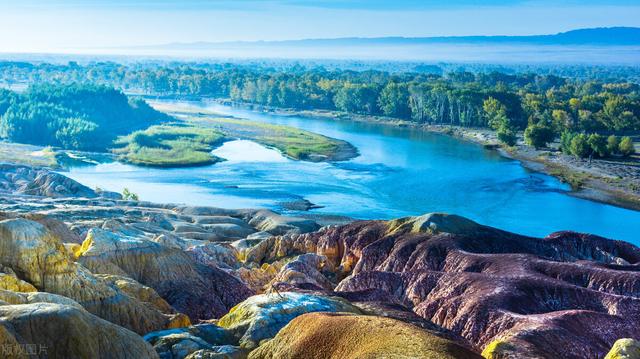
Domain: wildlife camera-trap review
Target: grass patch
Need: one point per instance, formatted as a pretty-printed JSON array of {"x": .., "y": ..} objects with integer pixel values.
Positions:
[
  {"x": 299, "y": 144},
  {"x": 30, "y": 155},
  {"x": 169, "y": 146},
  {"x": 293, "y": 142},
  {"x": 575, "y": 179}
]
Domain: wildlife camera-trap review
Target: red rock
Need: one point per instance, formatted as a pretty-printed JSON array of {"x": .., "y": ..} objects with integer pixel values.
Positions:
[{"x": 567, "y": 295}]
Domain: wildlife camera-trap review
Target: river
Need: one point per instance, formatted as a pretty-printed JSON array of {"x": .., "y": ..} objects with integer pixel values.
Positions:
[{"x": 399, "y": 172}]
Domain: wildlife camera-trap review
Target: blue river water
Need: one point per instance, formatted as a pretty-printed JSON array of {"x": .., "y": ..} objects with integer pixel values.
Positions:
[{"x": 399, "y": 172}]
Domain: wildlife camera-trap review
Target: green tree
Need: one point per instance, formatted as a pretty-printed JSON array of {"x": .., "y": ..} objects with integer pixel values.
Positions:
[
  {"x": 394, "y": 100},
  {"x": 598, "y": 145},
  {"x": 579, "y": 146},
  {"x": 561, "y": 120},
  {"x": 76, "y": 133},
  {"x": 565, "y": 141},
  {"x": 507, "y": 135},
  {"x": 587, "y": 121},
  {"x": 538, "y": 135},
  {"x": 357, "y": 98},
  {"x": 495, "y": 113},
  {"x": 613, "y": 143},
  {"x": 626, "y": 147}
]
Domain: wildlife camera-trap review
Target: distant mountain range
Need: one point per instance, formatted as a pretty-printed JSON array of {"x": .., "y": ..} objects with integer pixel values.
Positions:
[
  {"x": 614, "y": 45},
  {"x": 611, "y": 36}
]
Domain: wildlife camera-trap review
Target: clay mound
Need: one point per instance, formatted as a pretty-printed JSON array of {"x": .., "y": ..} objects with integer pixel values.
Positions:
[
  {"x": 46, "y": 330},
  {"x": 39, "y": 182},
  {"x": 337, "y": 335},
  {"x": 201, "y": 292},
  {"x": 567, "y": 295}
]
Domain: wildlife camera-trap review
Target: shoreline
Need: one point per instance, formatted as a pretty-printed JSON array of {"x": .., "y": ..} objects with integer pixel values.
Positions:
[{"x": 587, "y": 180}]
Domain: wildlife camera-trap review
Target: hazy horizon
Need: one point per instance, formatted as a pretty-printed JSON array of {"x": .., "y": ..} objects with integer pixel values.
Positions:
[{"x": 52, "y": 26}]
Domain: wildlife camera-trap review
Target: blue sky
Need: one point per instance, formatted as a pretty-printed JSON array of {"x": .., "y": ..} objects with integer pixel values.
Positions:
[{"x": 61, "y": 25}]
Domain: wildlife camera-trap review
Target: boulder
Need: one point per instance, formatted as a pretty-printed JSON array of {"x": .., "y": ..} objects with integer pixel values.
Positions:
[
  {"x": 305, "y": 271},
  {"x": 259, "y": 278},
  {"x": 261, "y": 317},
  {"x": 275, "y": 248},
  {"x": 182, "y": 342},
  {"x": 214, "y": 255},
  {"x": 229, "y": 230},
  {"x": 136, "y": 290},
  {"x": 51, "y": 184},
  {"x": 219, "y": 352},
  {"x": 341, "y": 336},
  {"x": 9, "y": 281},
  {"x": 269, "y": 221},
  {"x": 9, "y": 297}
]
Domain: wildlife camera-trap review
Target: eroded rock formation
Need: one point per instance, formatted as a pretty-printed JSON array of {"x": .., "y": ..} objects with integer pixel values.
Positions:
[
  {"x": 558, "y": 296},
  {"x": 202, "y": 292},
  {"x": 46, "y": 330},
  {"x": 38, "y": 257},
  {"x": 339, "y": 336}
]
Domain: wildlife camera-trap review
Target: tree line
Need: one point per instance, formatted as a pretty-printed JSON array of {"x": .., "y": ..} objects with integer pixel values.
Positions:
[{"x": 546, "y": 106}]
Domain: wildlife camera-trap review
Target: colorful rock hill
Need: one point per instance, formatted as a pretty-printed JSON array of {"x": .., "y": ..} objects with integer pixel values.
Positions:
[{"x": 88, "y": 275}]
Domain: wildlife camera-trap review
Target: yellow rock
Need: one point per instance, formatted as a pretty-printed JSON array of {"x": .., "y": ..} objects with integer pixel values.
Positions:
[
  {"x": 434, "y": 223},
  {"x": 497, "y": 349},
  {"x": 14, "y": 284},
  {"x": 73, "y": 249},
  {"x": 179, "y": 321},
  {"x": 138, "y": 291},
  {"x": 625, "y": 349},
  {"x": 258, "y": 279},
  {"x": 38, "y": 255},
  {"x": 344, "y": 336}
]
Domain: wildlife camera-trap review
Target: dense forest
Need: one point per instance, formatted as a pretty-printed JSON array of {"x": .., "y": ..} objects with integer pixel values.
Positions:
[
  {"x": 546, "y": 105},
  {"x": 86, "y": 117}
]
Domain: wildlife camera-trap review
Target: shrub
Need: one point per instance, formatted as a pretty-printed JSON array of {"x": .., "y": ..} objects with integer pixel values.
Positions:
[
  {"x": 598, "y": 145},
  {"x": 613, "y": 144},
  {"x": 579, "y": 146},
  {"x": 538, "y": 135},
  {"x": 507, "y": 136},
  {"x": 129, "y": 196},
  {"x": 626, "y": 147}
]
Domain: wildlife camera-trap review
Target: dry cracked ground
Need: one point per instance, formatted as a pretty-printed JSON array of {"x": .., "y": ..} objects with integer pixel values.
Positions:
[{"x": 88, "y": 275}]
